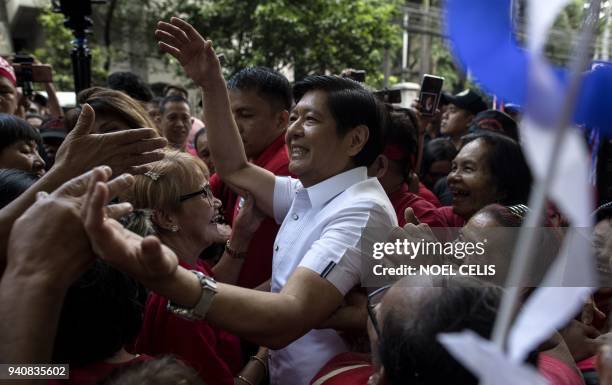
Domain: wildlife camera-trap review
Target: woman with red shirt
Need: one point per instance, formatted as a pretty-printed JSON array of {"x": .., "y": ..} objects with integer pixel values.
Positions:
[{"x": 183, "y": 214}]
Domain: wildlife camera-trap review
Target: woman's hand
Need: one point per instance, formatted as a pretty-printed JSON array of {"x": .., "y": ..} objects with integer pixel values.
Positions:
[
  {"x": 424, "y": 120},
  {"x": 249, "y": 217},
  {"x": 123, "y": 151}
]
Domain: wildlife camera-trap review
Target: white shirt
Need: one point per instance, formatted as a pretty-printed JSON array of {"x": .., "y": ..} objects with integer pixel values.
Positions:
[{"x": 324, "y": 228}]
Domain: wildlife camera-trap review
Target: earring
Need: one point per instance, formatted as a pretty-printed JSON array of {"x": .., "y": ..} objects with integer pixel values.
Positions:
[{"x": 174, "y": 228}]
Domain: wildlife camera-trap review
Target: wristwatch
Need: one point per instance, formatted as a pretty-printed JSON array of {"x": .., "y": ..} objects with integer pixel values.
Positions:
[{"x": 209, "y": 289}]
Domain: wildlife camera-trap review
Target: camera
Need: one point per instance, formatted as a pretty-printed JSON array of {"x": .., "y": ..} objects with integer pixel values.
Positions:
[
  {"x": 389, "y": 96},
  {"x": 27, "y": 73}
]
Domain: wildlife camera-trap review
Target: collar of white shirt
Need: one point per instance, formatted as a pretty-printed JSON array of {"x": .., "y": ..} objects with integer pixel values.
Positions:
[{"x": 323, "y": 192}]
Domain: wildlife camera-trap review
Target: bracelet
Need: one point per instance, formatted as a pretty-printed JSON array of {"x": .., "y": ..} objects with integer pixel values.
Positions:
[
  {"x": 261, "y": 361},
  {"x": 243, "y": 379},
  {"x": 233, "y": 253}
]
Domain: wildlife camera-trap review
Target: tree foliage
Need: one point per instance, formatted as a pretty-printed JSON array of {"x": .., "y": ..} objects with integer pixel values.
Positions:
[{"x": 315, "y": 36}]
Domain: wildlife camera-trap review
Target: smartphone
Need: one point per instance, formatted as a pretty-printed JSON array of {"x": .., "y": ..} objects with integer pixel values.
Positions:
[
  {"x": 36, "y": 73},
  {"x": 431, "y": 89},
  {"x": 389, "y": 96}
]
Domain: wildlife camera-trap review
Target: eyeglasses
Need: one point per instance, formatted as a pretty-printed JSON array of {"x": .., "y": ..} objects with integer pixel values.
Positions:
[
  {"x": 374, "y": 299},
  {"x": 206, "y": 192}
]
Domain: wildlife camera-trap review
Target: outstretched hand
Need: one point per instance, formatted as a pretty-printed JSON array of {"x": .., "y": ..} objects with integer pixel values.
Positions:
[
  {"x": 61, "y": 251},
  {"x": 196, "y": 55},
  {"x": 124, "y": 151},
  {"x": 146, "y": 259}
]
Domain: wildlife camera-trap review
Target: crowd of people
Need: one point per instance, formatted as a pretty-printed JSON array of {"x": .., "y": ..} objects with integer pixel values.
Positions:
[{"x": 142, "y": 245}]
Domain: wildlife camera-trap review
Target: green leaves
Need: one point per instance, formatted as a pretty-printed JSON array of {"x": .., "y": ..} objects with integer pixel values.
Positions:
[{"x": 314, "y": 36}]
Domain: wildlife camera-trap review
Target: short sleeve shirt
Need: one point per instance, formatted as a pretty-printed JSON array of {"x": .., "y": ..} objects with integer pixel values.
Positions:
[{"x": 324, "y": 228}]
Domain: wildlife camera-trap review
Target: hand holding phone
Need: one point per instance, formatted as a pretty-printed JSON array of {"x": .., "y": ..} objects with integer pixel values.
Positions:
[
  {"x": 36, "y": 73},
  {"x": 429, "y": 97}
]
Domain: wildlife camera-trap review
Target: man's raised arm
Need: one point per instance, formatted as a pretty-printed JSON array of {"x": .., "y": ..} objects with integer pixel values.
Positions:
[{"x": 201, "y": 64}]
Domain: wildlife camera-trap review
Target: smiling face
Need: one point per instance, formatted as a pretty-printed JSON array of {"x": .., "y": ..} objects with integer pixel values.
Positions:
[
  {"x": 23, "y": 155},
  {"x": 175, "y": 123},
  {"x": 259, "y": 123},
  {"x": 197, "y": 215},
  {"x": 470, "y": 179},
  {"x": 316, "y": 152}
]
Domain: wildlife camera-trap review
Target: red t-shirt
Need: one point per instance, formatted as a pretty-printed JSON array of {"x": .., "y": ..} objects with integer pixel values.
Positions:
[
  {"x": 257, "y": 266},
  {"x": 557, "y": 372},
  {"x": 213, "y": 353},
  {"x": 345, "y": 369},
  {"x": 424, "y": 210},
  {"x": 92, "y": 373},
  {"x": 429, "y": 196},
  {"x": 447, "y": 216},
  {"x": 587, "y": 364}
]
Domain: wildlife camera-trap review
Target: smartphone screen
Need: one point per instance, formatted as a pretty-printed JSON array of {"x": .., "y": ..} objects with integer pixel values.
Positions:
[{"x": 431, "y": 88}]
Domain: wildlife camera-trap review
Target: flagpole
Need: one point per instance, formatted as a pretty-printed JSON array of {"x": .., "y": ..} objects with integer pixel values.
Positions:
[{"x": 537, "y": 202}]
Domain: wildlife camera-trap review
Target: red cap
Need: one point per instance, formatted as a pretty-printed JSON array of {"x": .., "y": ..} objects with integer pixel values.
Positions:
[{"x": 7, "y": 71}]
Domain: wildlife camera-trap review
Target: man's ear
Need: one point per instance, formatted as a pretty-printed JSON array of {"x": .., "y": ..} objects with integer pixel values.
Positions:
[
  {"x": 469, "y": 118},
  {"x": 282, "y": 120},
  {"x": 164, "y": 220},
  {"x": 379, "y": 167},
  {"x": 357, "y": 139}
]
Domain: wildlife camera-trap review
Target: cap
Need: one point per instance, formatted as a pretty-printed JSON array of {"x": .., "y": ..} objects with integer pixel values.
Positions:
[
  {"x": 444, "y": 99},
  {"x": 468, "y": 100},
  {"x": 7, "y": 70},
  {"x": 494, "y": 120}
]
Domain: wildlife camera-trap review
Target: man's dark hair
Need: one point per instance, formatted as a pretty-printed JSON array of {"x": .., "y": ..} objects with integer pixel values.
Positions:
[
  {"x": 351, "y": 105},
  {"x": 171, "y": 99},
  {"x": 180, "y": 89},
  {"x": 270, "y": 85},
  {"x": 13, "y": 183},
  {"x": 435, "y": 150},
  {"x": 166, "y": 370},
  {"x": 131, "y": 84},
  {"x": 14, "y": 129},
  {"x": 402, "y": 132},
  {"x": 508, "y": 166},
  {"x": 409, "y": 349},
  {"x": 102, "y": 312}
]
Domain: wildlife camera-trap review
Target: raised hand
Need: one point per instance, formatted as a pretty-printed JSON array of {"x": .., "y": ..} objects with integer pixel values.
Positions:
[
  {"x": 145, "y": 259},
  {"x": 48, "y": 242},
  {"x": 410, "y": 217},
  {"x": 124, "y": 151},
  {"x": 196, "y": 55}
]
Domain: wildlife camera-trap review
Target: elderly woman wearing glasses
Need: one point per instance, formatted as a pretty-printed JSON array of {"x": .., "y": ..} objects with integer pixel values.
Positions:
[{"x": 183, "y": 214}]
